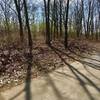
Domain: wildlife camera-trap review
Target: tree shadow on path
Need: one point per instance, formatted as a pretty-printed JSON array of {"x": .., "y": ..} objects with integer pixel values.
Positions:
[
  {"x": 80, "y": 76},
  {"x": 27, "y": 88}
]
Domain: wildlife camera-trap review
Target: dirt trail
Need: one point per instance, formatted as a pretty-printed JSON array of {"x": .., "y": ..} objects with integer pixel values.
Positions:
[{"x": 72, "y": 82}]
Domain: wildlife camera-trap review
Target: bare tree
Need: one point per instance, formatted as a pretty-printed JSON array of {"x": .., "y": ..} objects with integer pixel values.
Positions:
[
  {"x": 47, "y": 19},
  {"x": 5, "y": 10},
  {"x": 60, "y": 22},
  {"x": 66, "y": 24},
  {"x": 18, "y": 9},
  {"x": 27, "y": 25}
]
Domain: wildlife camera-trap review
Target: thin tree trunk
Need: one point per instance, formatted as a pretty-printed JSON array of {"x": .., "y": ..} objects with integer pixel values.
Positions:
[
  {"x": 27, "y": 25},
  {"x": 60, "y": 18},
  {"x": 17, "y": 4},
  {"x": 47, "y": 12},
  {"x": 66, "y": 27}
]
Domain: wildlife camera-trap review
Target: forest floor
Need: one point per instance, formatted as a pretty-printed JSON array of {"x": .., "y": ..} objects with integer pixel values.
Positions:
[{"x": 52, "y": 73}]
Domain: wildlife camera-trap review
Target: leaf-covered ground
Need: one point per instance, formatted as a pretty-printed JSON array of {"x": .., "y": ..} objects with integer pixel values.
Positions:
[{"x": 14, "y": 60}]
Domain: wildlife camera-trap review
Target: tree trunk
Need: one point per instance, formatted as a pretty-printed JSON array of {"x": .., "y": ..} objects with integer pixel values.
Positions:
[
  {"x": 47, "y": 12},
  {"x": 66, "y": 27},
  {"x": 27, "y": 25},
  {"x": 17, "y": 5},
  {"x": 60, "y": 18}
]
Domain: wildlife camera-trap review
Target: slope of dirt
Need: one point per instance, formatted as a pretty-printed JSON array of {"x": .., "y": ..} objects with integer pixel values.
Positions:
[
  {"x": 14, "y": 70},
  {"x": 75, "y": 81},
  {"x": 14, "y": 60}
]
